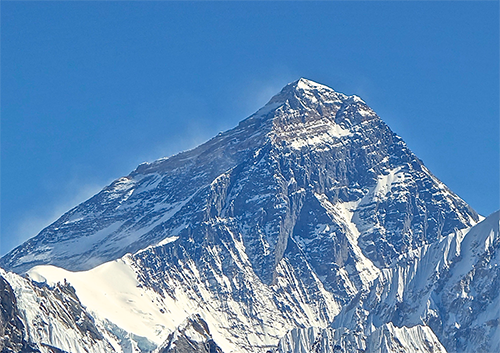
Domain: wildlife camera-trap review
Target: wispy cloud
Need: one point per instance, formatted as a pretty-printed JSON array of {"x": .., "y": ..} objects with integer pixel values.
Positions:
[
  {"x": 43, "y": 214},
  {"x": 259, "y": 91}
]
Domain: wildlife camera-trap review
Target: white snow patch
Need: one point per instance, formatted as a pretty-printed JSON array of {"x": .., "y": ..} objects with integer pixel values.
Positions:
[
  {"x": 366, "y": 112},
  {"x": 110, "y": 291},
  {"x": 386, "y": 182},
  {"x": 308, "y": 85},
  {"x": 343, "y": 213},
  {"x": 329, "y": 136},
  {"x": 168, "y": 240}
]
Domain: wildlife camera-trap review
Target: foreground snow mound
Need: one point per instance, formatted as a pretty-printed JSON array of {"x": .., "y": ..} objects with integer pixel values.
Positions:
[{"x": 385, "y": 339}]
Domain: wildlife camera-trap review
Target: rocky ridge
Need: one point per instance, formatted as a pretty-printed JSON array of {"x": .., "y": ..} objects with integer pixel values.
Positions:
[{"x": 384, "y": 339}]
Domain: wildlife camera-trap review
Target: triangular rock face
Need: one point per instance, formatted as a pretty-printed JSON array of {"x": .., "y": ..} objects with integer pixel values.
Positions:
[
  {"x": 313, "y": 167},
  {"x": 193, "y": 336}
]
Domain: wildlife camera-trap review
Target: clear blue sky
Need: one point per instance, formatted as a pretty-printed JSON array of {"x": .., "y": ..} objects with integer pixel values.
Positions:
[{"x": 91, "y": 89}]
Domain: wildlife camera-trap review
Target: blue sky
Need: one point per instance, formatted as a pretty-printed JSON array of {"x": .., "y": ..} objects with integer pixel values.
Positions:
[{"x": 91, "y": 89}]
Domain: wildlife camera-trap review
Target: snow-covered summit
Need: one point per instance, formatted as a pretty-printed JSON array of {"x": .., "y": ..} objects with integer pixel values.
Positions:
[
  {"x": 308, "y": 147},
  {"x": 311, "y": 92},
  {"x": 304, "y": 86}
]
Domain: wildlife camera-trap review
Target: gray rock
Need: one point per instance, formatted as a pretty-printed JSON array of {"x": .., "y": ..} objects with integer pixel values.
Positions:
[
  {"x": 193, "y": 336},
  {"x": 12, "y": 329}
]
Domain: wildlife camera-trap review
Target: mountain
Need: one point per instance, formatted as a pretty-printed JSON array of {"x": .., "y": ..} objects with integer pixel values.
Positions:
[
  {"x": 385, "y": 339},
  {"x": 281, "y": 223},
  {"x": 192, "y": 335},
  {"x": 308, "y": 147},
  {"x": 452, "y": 286}
]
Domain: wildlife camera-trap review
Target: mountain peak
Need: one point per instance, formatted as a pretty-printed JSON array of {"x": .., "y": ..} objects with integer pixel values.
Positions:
[
  {"x": 306, "y": 212},
  {"x": 305, "y": 92},
  {"x": 324, "y": 142},
  {"x": 303, "y": 85},
  {"x": 306, "y": 84}
]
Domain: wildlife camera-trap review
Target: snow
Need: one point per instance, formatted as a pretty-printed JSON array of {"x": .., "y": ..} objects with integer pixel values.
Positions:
[
  {"x": 342, "y": 213},
  {"x": 385, "y": 339},
  {"x": 152, "y": 184},
  {"x": 366, "y": 112},
  {"x": 356, "y": 99},
  {"x": 82, "y": 244},
  {"x": 48, "y": 321},
  {"x": 243, "y": 312},
  {"x": 306, "y": 84},
  {"x": 262, "y": 112},
  {"x": 330, "y": 134},
  {"x": 386, "y": 182},
  {"x": 75, "y": 217},
  {"x": 168, "y": 240},
  {"x": 111, "y": 292},
  {"x": 120, "y": 187}
]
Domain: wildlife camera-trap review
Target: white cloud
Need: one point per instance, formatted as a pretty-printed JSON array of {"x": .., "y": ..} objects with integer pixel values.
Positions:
[{"x": 43, "y": 214}]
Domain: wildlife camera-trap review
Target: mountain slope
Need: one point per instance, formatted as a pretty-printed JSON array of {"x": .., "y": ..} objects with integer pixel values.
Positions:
[
  {"x": 276, "y": 224},
  {"x": 48, "y": 319},
  {"x": 12, "y": 329},
  {"x": 451, "y": 286},
  {"x": 384, "y": 339},
  {"x": 308, "y": 143}
]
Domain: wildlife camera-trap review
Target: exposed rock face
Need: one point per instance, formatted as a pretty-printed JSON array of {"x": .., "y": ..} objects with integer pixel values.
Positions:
[
  {"x": 385, "y": 339},
  {"x": 193, "y": 336},
  {"x": 12, "y": 329}
]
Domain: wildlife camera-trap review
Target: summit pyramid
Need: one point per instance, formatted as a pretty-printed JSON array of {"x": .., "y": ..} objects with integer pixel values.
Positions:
[{"x": 309, "y": 156}]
